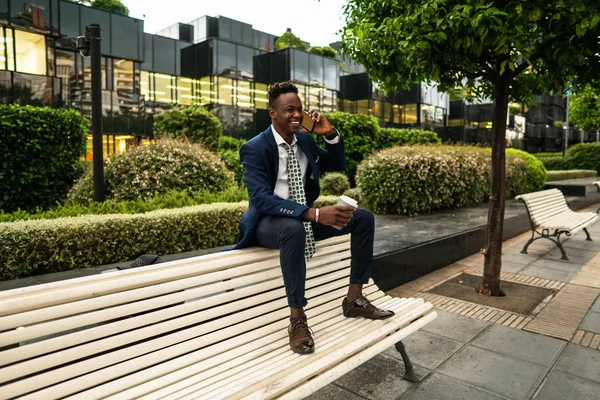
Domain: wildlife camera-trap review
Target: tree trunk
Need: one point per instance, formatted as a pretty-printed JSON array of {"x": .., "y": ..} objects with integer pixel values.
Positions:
[{"x": 495, "y": 226}]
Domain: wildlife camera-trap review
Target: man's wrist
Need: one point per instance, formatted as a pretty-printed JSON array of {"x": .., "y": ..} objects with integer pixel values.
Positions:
[
  {"x": 309, "y": 215},
  {"x": 332, "y": 135}
]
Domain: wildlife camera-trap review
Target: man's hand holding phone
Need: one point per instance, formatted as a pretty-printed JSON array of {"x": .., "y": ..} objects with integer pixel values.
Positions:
[{"x": 315, "y": 123}]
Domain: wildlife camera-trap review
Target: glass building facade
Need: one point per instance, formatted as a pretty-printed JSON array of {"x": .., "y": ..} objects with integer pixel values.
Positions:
[{"x": 223, "y": 64}]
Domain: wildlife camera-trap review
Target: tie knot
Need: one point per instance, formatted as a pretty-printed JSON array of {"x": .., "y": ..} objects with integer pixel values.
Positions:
[{"x": 288, "y": 147}]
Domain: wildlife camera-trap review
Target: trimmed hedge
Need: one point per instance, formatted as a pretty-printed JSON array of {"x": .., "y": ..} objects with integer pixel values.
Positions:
[
  {"x": 391, "y": 137},
  {"x": 168, "y": 200},
  {"x": 39, "y": 247},
  {"x": 39, "y": 148},
  {"x": 418, "y": 179},
  {"x": 585, "y": 156},
  {"x": 552, "y": 176},
  {"x": 556, "y": 163},
  {"x": 147, "y": 171},
  {"x": 536, "y": 172},
  {"x": 334, "y": 183}
]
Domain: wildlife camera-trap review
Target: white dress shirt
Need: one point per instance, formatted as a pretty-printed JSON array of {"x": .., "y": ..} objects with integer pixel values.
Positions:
[{"x": 282, "y": 189}]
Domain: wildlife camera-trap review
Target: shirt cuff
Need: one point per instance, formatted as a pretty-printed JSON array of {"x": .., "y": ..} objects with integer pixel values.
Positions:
[{"x": 335, "y": 140}]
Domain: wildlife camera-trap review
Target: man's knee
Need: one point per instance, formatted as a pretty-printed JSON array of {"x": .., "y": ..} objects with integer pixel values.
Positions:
[
  {"x": 364, "y": 218},
  {"x": 292, "y": 231}
]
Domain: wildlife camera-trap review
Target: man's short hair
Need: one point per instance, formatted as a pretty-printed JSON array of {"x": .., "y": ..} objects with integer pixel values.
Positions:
[{"x": 279, "y": 88}]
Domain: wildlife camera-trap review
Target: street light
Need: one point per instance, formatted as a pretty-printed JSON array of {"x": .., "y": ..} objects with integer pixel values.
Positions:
[{"x": 89, "y": 46}]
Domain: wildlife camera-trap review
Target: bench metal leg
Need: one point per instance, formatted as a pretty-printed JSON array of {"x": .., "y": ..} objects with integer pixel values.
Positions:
[
  {"x": 409, "y": 372},
  {"x": 560, "y": 246},
  {"x": 587, "y": 234},
  {"x": 546, "y": 235}
]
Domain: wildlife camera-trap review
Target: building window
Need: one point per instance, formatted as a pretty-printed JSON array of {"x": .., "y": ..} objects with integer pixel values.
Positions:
[
  {"x": 244, "y": 95},
  {"x": 362, "y": 107},
  {"x": 398, "y": 117},
  {"x": 376, "y": 110},
  {"x": 225, "y": 93},
  {"x": 31, "y": 52},
  {"x": 410, "y": 114},
  {"x": 226, "y": 64},
  {"x": 261, "y": 98},
  {"x": 314, "y": 98},
  {"x": 146, "y": 86},
  {"x": 300, "y": 66},
  {"x": 184, "y": 91},
  {"x": 207, "y": 93},
  {"x": 163, "y": 84},
  {"x": 7, "y": 55}
]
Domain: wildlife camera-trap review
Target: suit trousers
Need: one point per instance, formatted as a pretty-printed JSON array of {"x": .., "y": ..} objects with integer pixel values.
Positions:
[{"x": 288, "y": 235}]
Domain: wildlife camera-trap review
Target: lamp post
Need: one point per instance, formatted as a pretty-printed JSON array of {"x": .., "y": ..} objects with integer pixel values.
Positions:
[
  {"x": 567, "y": 128},
  {"x": 89, "y": 46}
]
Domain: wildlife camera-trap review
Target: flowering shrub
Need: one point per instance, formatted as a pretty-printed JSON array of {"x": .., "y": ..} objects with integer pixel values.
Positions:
[
  {"x": 43, "y": 246},
  {"x": 418, "y": 179},
  {"x": 146, "y": 171},
  {"x": 334, "y": 183}
]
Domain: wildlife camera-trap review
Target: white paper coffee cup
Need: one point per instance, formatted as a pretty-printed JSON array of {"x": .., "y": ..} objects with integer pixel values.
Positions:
[{"x": 346, "y": 201}]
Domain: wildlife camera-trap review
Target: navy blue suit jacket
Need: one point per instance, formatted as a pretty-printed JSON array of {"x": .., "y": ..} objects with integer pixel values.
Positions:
[{"x": 260, "y": 158}]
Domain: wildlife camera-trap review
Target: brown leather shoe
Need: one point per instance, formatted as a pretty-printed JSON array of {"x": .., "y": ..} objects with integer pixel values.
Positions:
[
  {"x": 301, "y": 340},
  {"x": 362, "y": 307}
]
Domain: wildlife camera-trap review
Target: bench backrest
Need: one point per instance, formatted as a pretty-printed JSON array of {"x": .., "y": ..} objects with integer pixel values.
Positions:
[
  {"x": 120, "y": 329},
  {"x": 545, "y": 205}
]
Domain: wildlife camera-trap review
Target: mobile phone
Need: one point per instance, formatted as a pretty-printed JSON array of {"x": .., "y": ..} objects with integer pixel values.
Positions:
[{"x": 307, "y": 122}]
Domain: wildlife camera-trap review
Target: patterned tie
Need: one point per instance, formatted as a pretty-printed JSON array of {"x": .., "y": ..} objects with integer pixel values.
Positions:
[{"x": 297, "y": 194}]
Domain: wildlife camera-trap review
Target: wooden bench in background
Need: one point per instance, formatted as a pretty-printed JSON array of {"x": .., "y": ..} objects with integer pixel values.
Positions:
[
  {"x": 207, "y": 327},
  {"x": 551, "y": 217}
]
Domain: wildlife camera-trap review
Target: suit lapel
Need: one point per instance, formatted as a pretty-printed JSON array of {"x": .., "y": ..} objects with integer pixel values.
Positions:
[
  {"x": 306, "y": 148},
  {"x": 274, "y": 152}
]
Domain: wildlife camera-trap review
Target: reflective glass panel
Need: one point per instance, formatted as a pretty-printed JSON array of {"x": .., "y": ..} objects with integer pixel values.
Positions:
[
  {"x": 362, "y": 107},
  {"x": 300, "y": 66},
  {"x": 410, "y": 114},
  {"x": 316, "y": 69},
  {"x": 236, "y": 31},
  {"x": 5, "y": 87},
  {"x": 302, "y": 94},
  {"x": 244, "y": 94},
  {"x": 261, "y": 98},
  {"x": 224, "y": 28},
  {"x": 387, "y": 112},
  {"x": 148, "y": 52},
  {"x": 124, "y": 37},
  {"x": 164, "y": 58},
  {"x": 31, "y": 52},
  {"x": 184, "y": 90},
  {"x": 91, "y": 15},
  {"x": 244, "y": 61},
  {"x": 247, "y": 34},
  {"x": 376, "y": 109},
  {"x": 226, "y": 64},
  {"x": 329, "y": 101},
  {"x": 397, "y": 114},
  {"x": 146, "y": 88},
  {"x": 69, "y": 24},
  {"x": 207, "y": 92},
  {"x": 225, "y": 91},
  {"x": 65, "y": 69},
  {"x": 6, "y": 49},
  {"x": 163, "y": 88},
  {"x": 331, "y": 79},
  {"x": 36, "y": 13},
  {"x": 314, "y": 98},
  {"x": 32, "y": 90}
]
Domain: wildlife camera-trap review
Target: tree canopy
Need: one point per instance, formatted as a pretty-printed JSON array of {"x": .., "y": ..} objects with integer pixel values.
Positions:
[
  {"x": 114, "y": 6},
  {"x": 288, "y": 39},
  {"x": 496, "y": 48},
  {"x": 584, "y": 109}
]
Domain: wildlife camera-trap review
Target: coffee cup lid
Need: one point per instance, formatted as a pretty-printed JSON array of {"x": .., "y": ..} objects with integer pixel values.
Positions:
[{"x": 348, "y": 200}]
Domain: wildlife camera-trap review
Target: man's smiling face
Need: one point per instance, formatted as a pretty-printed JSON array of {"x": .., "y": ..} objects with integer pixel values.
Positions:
[{"x": 286, "y": 114}]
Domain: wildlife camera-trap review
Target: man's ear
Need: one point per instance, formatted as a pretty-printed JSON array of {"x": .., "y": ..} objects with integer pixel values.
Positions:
[{"x": 272, "y": 112}]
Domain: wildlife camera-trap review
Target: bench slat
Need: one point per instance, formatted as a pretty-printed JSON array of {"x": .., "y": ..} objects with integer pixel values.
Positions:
[
  {"x": 117, "y": 284},
  {"x": 270, "y": 363},
  {"x": 180, "y": 342},
  {"x": 216, "y": 358},
  {"x": 170, "y": 293},
  {"x": 304, "y": 367},
  {"x": 336, "y": 372},
  {"x": 326, "y": 339}
]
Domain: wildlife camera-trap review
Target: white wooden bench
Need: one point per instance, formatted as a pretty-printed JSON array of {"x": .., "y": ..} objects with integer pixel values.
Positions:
[
  {"x": 551, "y": 217},
  {"x": 208, "y": 327}
]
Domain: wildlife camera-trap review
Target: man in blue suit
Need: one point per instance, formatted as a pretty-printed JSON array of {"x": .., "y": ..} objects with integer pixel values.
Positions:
[{"x": 281, "y": 169}]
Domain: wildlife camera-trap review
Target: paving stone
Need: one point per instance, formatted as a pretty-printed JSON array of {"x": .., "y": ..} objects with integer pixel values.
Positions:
[
  {"x": 525, "y": 346},
  {"x": 518, "y": 258},
  {"x": 591, "y": 322},
  {"x": 442, "y": 387},
  {"x": 506, "y": 376},
  {"x": 426, "y": 349},
  {"x": 332, "y": 392},
  {"x": 547, "y": 273},
  {"x": 379, "y": 378},
  {"x": 582, "y": 244},
  {"x": 596, "y": 306},
  {"x": 457, "y": 327},
  {"x": 561, "y": 386},
  {"x": 511, "y": 267},
  {"x": 561, "y": 265},
  {"x": 581, "y": 361}
]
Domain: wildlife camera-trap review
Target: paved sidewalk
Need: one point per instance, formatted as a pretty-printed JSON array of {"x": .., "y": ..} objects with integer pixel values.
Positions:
[{"x": 477, "y": 352}]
